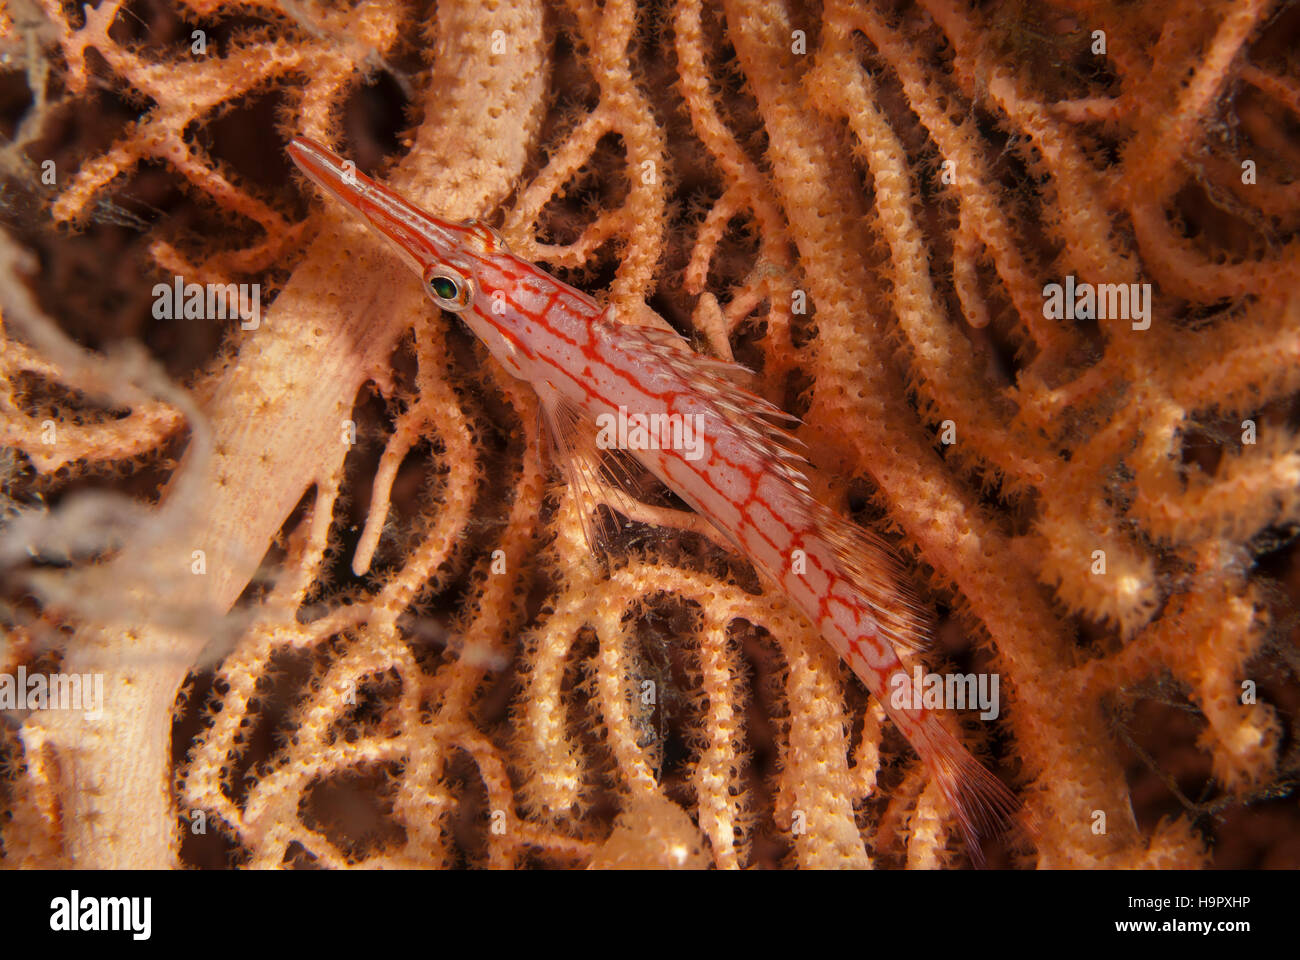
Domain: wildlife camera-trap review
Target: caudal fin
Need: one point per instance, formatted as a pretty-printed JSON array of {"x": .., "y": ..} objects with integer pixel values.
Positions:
[{"x": 982, "y": 804}]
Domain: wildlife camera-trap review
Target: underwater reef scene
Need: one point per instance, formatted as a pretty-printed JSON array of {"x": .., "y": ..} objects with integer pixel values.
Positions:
[{"x": 291, "y": 574}]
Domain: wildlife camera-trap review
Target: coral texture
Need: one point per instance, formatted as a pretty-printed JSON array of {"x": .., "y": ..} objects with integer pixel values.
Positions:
[{"x": 345, "y": 614}]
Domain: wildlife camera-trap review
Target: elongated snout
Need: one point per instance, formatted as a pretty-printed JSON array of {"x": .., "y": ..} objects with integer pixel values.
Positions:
[{"x": 420, "y": 238}]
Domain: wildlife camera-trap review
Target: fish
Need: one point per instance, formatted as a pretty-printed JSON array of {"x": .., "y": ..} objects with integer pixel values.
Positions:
[{"x": 610, "y": 390}]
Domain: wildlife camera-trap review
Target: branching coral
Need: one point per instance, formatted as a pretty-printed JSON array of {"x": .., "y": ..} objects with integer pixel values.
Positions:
[{"x": 865, "y": 203}]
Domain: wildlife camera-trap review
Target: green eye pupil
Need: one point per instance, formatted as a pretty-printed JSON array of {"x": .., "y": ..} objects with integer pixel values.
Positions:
[{"x": 444, "y": 287}]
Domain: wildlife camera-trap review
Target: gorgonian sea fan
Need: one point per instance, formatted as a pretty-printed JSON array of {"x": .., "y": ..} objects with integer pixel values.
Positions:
[{"x": 864, "y": 203}]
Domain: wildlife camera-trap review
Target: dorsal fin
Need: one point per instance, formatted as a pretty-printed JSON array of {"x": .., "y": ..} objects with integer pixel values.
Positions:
[
  {"x": 867, "y": 561},
  {"x": 879, "y": 579},
  {"x": 722, "y": 383}
]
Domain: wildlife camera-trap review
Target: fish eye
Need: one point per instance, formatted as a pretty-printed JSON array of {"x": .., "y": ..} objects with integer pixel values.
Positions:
[
  {"x": 448, "y": 288},
  {"x": 444, "y": 287}
]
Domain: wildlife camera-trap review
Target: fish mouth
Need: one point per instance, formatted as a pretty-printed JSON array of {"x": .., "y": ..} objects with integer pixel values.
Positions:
[{"x": 420, "y": 238}]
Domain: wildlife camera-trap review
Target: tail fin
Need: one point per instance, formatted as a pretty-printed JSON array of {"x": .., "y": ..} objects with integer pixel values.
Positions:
[{"x": 983, "y": 806}]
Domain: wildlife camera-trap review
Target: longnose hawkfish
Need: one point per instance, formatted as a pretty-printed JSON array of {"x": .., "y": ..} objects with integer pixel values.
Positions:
[{"x": 739, "y": 467}]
